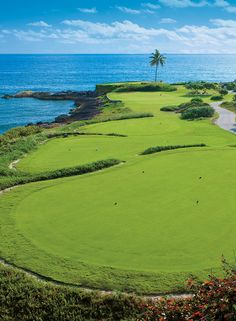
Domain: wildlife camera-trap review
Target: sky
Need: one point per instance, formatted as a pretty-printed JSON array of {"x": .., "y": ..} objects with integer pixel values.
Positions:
[{"x": 121, "y": 26}]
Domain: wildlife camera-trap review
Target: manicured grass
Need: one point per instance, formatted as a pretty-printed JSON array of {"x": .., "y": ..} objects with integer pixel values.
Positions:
[
  {"x": 144, "y": 226},
  {"x": 156, "y": 217},
  {"x": 163, "y": 129}
]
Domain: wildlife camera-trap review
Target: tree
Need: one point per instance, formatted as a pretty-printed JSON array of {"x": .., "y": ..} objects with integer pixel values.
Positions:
[{"x": 157, "y": 59}]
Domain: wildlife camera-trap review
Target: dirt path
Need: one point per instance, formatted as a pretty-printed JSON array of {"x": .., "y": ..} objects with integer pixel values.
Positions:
[
  {"x": 13, "y": 164},
  {"x": 226, "y": 118},
  {"x": 46, "y": 280}
]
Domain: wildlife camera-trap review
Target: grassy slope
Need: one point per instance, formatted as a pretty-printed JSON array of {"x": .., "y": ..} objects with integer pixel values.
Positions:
[
  {"x": 164, "y": 129},
  {"x": 157, "y": 234}
]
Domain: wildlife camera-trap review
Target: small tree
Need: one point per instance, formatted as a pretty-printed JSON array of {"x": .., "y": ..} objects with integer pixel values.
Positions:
[{"x": 157, "y": 59}]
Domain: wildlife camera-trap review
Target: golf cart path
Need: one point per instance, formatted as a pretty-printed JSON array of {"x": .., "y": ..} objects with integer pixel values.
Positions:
[{"x": 226, "y": 118}]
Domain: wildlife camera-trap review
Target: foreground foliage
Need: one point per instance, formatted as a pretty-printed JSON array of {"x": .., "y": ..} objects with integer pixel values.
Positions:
[
  {"x": 200, "y": 112},
  {"x": 213, "y": 300},
  {"x": 23, "y": 298}
]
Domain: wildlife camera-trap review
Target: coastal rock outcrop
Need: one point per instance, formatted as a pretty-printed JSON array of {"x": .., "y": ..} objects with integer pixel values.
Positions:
[
  {"x": 87, "y": 104},
  {"x": 44, "y": 95}
]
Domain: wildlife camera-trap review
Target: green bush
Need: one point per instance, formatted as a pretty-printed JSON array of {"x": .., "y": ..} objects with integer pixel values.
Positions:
[
  {"x": 67, "y": 134},
  {"x": 223, "y": 92},
  {"x": 194, "y": 113},
  {"x": 132, "y": 86},
  {"x": 159, "y": 149},
  {"x": 19, "y": 132},
  {"x": 230, "y": 85},
  {"x": 24, "y": 299},
  {"x": 21, "y": 179},
  {"x": 197, "y": 100},
  {"x": 217, "y": 97},
  {"x": 170, "y": 108},
  {"x": 200, "y": 85},
  {"x": 192, "y": 104}
]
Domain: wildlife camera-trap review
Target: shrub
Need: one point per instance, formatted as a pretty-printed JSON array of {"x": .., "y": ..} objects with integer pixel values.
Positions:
[
  {"x": 67, "y": 134},
  {"x": 213, "y": 300},
  {"x": 132, "y": 86},
  {"x": 197, "y": 100},
  {"x": 217, "y": 97},
  {"x": 199, "y": 85},
  {"x": 159, "y": 149},
  {"x": 170, "y": 108},
  {"x": 27, "y": 299},
  {"x": 223, "y": 92},
  {"x": 24, "y": 299},
  {"x": 230, "y": 85},
  {"x": 194, "y": 113},
  {"x": 59, "y": 173}
]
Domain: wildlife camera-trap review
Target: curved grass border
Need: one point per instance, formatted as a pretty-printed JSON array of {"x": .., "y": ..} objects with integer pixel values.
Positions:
[
  {"x": 68, "y": 134},
  {"x": 159, "y": 149},
  {"x": 59, "y": 173},
  {"x": 16, "y": 249}
]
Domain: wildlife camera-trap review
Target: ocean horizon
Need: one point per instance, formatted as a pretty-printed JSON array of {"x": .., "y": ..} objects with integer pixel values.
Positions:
[{"x": 61, "y": 72}]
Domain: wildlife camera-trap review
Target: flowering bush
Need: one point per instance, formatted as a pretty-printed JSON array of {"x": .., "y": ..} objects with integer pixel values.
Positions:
[{"x": 213, "y": 300}]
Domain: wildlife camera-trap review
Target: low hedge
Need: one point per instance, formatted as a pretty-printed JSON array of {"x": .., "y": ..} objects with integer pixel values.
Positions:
[
  {"x": 170, "y": 108},
  {"x": 195, "y": 102},
  {"x": 68, "y": 134},
  {"x": 22, "y": 179},
  {"x": 217, "y": 97},
  {"x": 159, "y": 149},
  {"x": 197, "y": 112},
  {"x": 200, "y": 85},
  {"x": 132, "y": 86}
]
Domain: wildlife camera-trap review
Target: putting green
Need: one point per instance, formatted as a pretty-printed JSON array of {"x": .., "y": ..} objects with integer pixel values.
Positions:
[
  {"x": 145, "y": 225},
  {"x": 150, "y": 217}
]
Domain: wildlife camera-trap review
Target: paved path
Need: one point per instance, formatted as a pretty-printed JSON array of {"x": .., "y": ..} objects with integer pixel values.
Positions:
[{"x": 226, "y": 118}]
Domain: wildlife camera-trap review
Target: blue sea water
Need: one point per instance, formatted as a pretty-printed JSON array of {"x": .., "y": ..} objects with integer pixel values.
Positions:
[{"x": 83, "y": 72}]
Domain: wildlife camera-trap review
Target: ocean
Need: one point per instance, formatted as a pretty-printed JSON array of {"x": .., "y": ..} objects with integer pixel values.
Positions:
[{"x": 83, "y": 72}]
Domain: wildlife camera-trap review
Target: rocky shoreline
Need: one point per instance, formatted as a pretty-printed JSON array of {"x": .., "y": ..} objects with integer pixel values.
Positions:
[{"x": 87, "y": 104}]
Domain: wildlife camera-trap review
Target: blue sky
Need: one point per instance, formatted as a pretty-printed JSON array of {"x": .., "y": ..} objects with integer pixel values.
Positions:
[{"x": 131, "y": 26}]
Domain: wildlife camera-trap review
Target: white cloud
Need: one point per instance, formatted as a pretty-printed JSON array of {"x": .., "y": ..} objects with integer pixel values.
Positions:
[
  {"x": 128, "y": 10},
  {"x": 224, "y": 23},
  {"x": 184, "y": 3},
  {"x": 41, "y": 24},
  {"x": 88, "y": 10},
  {"x": 221, "y": 3},
  {"x": 231, "y": 9},
  {"x": 167, "y": 21},
  {"x": 226, "y": 5},
  {"x": 151, "y": 6},
  {"x": 122, "y": 36}
]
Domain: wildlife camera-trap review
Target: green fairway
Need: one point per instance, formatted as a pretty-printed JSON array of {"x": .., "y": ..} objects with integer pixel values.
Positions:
[
  {"x": 163, "y": 129},
  {"x": 145, "y": 225}
]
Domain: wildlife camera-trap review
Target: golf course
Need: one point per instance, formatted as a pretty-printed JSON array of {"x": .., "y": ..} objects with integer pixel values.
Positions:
[{"x": 144, "y": 225}]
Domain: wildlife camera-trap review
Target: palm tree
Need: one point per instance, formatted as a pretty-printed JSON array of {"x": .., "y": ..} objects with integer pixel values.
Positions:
[{"x": 157, "y": 59}]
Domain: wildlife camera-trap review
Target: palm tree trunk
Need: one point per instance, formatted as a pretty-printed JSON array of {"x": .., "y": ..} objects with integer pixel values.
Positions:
[{"x": 156, "y": 74}]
